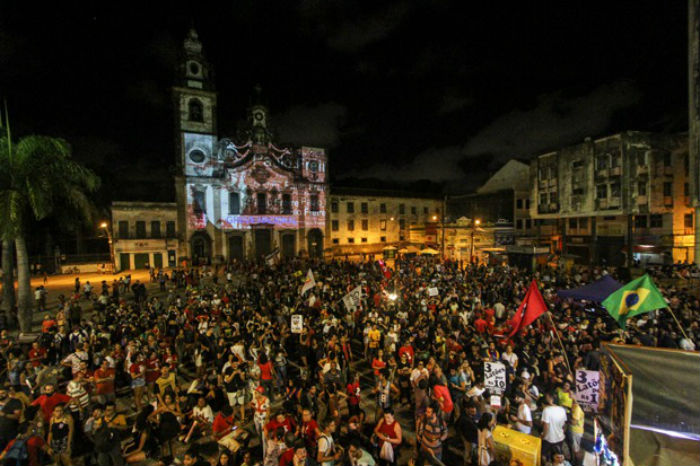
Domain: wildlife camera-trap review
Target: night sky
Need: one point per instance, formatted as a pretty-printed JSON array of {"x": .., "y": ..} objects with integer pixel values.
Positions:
[{"x": 400, "y": 91}]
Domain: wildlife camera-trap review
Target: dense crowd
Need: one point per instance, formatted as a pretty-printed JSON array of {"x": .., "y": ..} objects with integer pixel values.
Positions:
[{"x": 207, "y": 369}]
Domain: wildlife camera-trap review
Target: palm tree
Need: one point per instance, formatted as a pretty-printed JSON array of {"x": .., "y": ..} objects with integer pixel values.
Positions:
[{"x": 37, "y": 177}]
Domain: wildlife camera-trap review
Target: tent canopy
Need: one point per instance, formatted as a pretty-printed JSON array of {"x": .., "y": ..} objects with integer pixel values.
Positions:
[
  {"x": 596, "y": 291},
  {"x": 429, "y": 252}
]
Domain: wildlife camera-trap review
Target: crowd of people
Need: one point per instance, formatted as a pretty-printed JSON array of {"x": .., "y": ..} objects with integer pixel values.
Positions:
[{"x": 206, "y": 368}]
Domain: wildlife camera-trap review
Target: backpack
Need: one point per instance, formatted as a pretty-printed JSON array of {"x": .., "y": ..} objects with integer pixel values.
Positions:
[
  {"x": 105, "y": 439},
  {"x": 18, "y": 452}
]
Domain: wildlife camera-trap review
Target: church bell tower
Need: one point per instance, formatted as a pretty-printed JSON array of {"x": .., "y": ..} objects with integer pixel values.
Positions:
[{"x": 194, "y": 99}]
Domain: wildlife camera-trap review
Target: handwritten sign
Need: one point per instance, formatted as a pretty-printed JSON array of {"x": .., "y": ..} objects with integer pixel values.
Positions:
[
  {"x": 433, "y": 291},
  {"x": 297, "y": 323},
  {"x": 587, "y": 386},
  {"x": 495, "y": 376}
]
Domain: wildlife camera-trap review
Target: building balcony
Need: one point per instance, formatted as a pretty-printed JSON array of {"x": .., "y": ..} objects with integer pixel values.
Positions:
[
  {"x": 602, "y": 173},
  {"x": 601, "y": 204},
  {"x": 642, "y": 200},
  {"x": 614, "y": 203},
  {"x": 642, "y": 170},
  {"x": 668, "y": 201},
  {"x": 615, "y": 171}
]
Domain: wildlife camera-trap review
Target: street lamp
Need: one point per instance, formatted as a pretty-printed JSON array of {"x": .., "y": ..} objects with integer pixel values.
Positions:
[
  {"x": 105, "y": 226},
  {"x": 475, "y": 224}
]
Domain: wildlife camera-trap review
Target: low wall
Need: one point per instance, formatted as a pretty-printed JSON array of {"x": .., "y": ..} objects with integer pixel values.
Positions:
[{"x": 96, "y": 267}]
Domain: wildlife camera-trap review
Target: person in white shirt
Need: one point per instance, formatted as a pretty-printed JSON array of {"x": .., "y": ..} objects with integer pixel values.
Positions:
[
  {"x": 553, "y": 424},
  {"x": 523, "y": 420},
  {"x": 510, "y": 357}
]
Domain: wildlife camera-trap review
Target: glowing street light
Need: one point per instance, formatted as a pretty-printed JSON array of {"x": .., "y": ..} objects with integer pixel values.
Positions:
[{"x": 105, "y": 226}]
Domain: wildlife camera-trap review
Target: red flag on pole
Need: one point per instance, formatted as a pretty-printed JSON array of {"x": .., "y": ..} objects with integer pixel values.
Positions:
[{"x": 530, "y": 309}]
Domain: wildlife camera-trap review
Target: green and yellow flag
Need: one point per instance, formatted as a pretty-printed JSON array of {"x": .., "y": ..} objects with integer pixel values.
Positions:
[{"x": 636, "y": 297}]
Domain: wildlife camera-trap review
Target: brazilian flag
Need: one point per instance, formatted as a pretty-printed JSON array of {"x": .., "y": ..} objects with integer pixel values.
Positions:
[{"x": 636, "y": 297}]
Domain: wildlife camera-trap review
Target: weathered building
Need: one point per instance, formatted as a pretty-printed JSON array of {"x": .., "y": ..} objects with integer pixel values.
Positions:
[
  {"x": 144, "y": 234},
  {"x": 362, "y": 222},
  {"x": 597, "y": 199}
]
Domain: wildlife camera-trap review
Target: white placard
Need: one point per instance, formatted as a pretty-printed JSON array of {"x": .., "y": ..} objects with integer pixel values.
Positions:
[
  {"x": 353, "y": 299},
  {"x": 433, "y": 291},
  {"x": 495, "y": 401},
  {"x": 587, "y": 386},
  {"x": 495, "y": 376},
  {"x": 297, "y": 323}
]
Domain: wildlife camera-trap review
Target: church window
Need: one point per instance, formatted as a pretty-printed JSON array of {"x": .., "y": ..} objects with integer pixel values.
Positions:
[
  {"x": 197, "y": 156},
  {"x": 262, "y": 203},
  {"x": 199, "y": 202},
  {"x": 286, "y": 204},
  {"x": 314, "y": 202},
  {"x": 234, "y": 204},
  {"x": 196, "y": 112}
]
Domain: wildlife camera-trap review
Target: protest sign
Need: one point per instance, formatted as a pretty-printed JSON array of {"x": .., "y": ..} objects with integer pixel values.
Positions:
[
  {"x": 587, "y": 385},
  {"x": 495, "y": 376},
  {"x": 433, "y": 291},
  {"x": 297, "y": 323}
]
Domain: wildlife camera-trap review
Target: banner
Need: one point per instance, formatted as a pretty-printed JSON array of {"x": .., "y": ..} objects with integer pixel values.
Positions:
[
  {"x": 353, "y": 299},
  {"x": 495, "y": 376},
  {"x": 297, "y": 323},
  {"x": 433, "y": 291},
  {"x": 309, "y": 282},
  {"x": 272, "y": 258},
  {"x": 587, "y": 386}
]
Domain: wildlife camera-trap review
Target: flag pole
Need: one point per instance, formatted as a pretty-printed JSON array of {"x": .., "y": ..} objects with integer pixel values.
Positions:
[
  {"x": 556, "y": 332},
  {"x": 679, "y": 324}
]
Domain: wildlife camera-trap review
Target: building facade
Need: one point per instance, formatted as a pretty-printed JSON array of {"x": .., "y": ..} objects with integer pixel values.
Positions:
[
  {"x": 599, "y": 199},
  {"x": 144, "y": 234},
  {"x": 240, "y": 197},
  {"x": 364, "y": 222}
]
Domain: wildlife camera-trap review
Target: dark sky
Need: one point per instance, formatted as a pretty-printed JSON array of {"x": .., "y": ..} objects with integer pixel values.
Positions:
[{"x": 404, "y": 90}]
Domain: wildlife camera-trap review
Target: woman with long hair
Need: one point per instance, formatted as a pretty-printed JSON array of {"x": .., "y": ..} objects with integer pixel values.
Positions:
[
  {"x": 145, "y": 443},
  {"x": 486, "y": 446}
]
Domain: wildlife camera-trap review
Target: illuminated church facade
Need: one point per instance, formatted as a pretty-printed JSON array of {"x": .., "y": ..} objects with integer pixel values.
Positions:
[{"x": 240, "y": 197}]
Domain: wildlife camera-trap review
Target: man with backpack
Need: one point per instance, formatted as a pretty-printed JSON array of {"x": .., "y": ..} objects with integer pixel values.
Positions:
[{"x": 107, "y": 445}]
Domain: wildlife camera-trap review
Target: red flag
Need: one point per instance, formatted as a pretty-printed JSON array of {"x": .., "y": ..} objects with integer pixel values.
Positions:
[{"x": 530, "y": 309}]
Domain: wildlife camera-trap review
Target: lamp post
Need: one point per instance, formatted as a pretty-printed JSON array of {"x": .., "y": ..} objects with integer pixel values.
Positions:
[
  {"x": 475, "y": 224},
  {"x": 105, "y": 226}
]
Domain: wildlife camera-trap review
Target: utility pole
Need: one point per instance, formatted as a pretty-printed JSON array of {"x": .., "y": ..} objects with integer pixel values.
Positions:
[{"x": 105, "y": 225}]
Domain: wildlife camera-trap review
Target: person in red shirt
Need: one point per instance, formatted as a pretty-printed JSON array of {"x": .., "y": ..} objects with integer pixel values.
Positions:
[
  {"x": 224, "y": 430},
  {"x": 282, "y": 420},
  {"x": 104, "y": 382},
  {"x": 407, "y": 349},
  {"x": 36, "y": 354},
  {"x": 378, "y": 363},
  {"x": 265, "y": 373},
  {"x": 353, "y": 391},
  {"x": 48, "y": 401},
  {"x": 152, "y": 371},
  {"x": 47, "y": 324},
  {"x": 308, "y": 430},
  {"x": 480, "y": 325}
]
